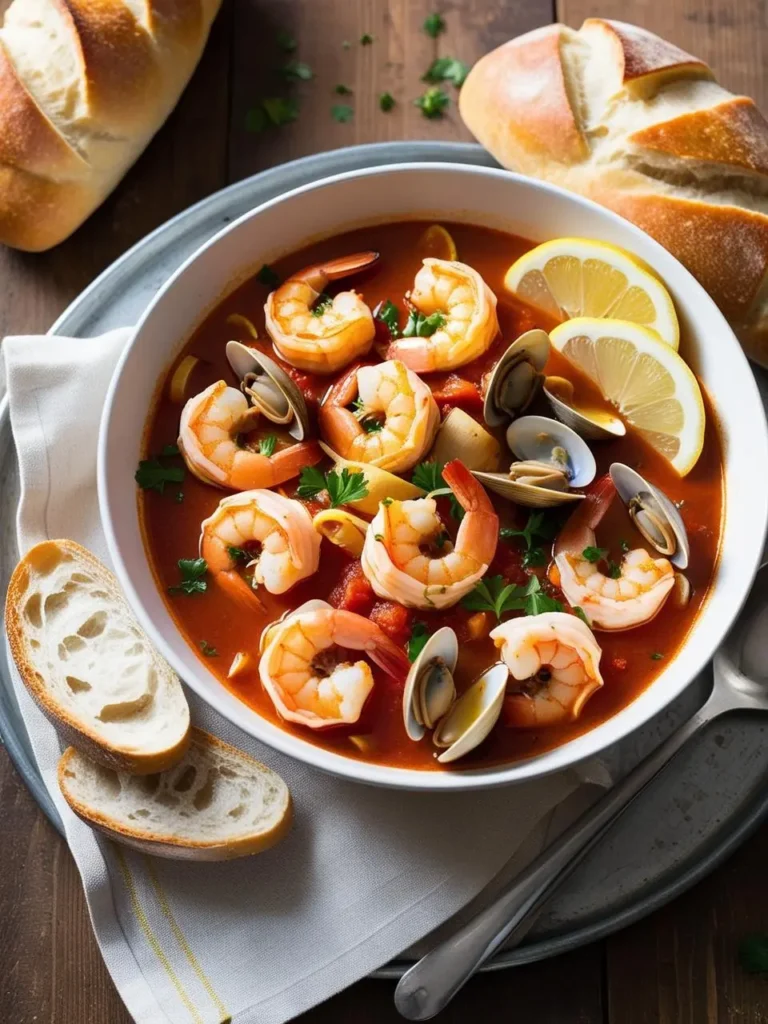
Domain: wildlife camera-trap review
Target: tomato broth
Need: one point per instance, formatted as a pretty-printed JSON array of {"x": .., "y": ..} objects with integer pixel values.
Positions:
[{"x": 211, "y": 621}]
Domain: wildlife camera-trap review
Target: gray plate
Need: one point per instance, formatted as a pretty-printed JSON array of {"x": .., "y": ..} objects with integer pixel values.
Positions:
[{"x": 709, "y": 800}]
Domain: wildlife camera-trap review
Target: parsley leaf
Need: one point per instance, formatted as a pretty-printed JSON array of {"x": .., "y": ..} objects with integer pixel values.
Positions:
[
  {"x": 624, "y": 546},
  {"x": 433, "y": 103},
  {"x": 428, "y": 476},
  {"x": 268, "y": 277},
  {"x": 537, "y": 601},
  {"x": 342, "y": 113},
  {"x": 152, "y": 475},
  {"x": 342, "y": 90},
  {"x": 434, "y": 25},
  {"x": 593, "y": 554},
  {"x": 538, "y": 525},
  {"x": 657, "y": 656},
  {"x": 581, "y": 614},
  {"x": 297, "y": 71},
  {"x": 208, "y": 650},
  {"x": 371, "y": 425},
  {"x": 271, "y": 113},
  {"x": 614, "y": 570},
  {"x": 321, "y": 305},
  {"x": 238, "y": 554},
  {"x": 419, "y": 637},
  {"x": 534, "y": 557},
  {"x": 421, "y": 326},
  {"x": 494, "y": 594},
  {"x": 311, "y": 482},
  {"x": 267, "y": 445},
  {"x": 366, "y": 39},
  {"x": 192, "y": 571},
  {"x": 389, "y": 314},
  {"x": 753, "y": 954},
  {"x": 446, "y": 69},
  {"x": 386, "y": 102},
  {"x": 342, "y": 487},
  {"x": 286, "y": 42}
]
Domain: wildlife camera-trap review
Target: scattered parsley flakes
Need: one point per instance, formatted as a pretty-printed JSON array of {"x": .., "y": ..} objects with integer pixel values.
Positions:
[
  {"x": 624, "y": 546},
  {"x": 446, "y": 69},
  {"x": 537, "y": 601},
  {"x": 434, "y": 25},
  {"x": 297, "y": 71},
  {"x": 342, "y": 487},
  {"x": 534, "y": 557},
  {"x": 581, "y": 614},
  {"x": 311, "y": 482},
  {"x": 342, "y": 113},
  {"x": 286, "y": 42},
  {"x": 614, "y": 570},
  {"x": 152, "y": 475},
  {"x": 267, "y": 445},
  {"x": 419, "y": 637},
  {"x": 421, "y": 326},
  {"x": 366, "y": 39},
  {"x": 386, "y": 102},
  {"x": 178, "y": 497},
  {"x": 192, "y": 572},
  {"x": 268, "y": 277},
  {"x": 433, "y": 103},
  {"x": 428, "y": 476},
  {"x": 271, "y": 113},
  {"x": 657, "y": 656},
  {"x": 238, "y": 554},
  {"x": 493, "y": 594},
  {"x": 342, "y": 90},
  {"x": 208, "y": 650},
  {"x": 537, "y": 525},
  {"x": 389, "y": 314},
  {"x": 371, "y": 425},
  {"x": 593, "y": 554},
  {"x": 322, "y": 304}
]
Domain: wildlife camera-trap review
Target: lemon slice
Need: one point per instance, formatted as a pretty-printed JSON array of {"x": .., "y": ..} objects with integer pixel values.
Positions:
[
  {"x": 438, "y": 243},
  {"x": 570, "y": 277},
  {"x": 644, "y": 379}
]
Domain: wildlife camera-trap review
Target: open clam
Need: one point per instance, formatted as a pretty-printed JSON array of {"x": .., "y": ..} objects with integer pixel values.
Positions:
[
  {"x": 474, "y": 714},
  {"x": 589, "y": 422},
  {"x": 654, "y": 515},
  {"x": 552, "y": 459},
  {"x": 516, "y": 378},
  {"x": 429, "y": 689},
  {"x": 269, "y": 388}
]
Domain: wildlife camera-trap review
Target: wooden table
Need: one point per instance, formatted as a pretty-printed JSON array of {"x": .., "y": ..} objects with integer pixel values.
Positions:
[{"x": 676, "y": 967}]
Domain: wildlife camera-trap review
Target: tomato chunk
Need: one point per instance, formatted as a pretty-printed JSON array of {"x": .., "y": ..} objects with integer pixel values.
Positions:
[
  {"x": 457, "y": 391},
  {"x": 393, "y": 619},
  {"x": 353, "y": 592}
]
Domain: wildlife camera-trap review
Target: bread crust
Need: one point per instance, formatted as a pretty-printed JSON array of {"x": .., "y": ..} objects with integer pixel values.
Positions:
[
  {"x": 161, "y": 845},
  {"x": 76, "y": 732}
]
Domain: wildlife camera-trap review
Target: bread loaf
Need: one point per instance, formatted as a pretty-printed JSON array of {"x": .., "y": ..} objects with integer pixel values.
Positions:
[
  {"x": 84, "y": 85},
  {"x": 619, "y": 115}
]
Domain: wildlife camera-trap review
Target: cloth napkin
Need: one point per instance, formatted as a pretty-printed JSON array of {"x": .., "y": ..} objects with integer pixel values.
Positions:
[{"x": 364, "y": 872}]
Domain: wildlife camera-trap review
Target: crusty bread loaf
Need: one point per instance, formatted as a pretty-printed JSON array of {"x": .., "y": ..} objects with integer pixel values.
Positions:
[
  {"x": 87, "y": 663},
  {"x": 84, "y": 86},
  {"x": 215, "y": 804},
  {"x": 633, "y": 122}
]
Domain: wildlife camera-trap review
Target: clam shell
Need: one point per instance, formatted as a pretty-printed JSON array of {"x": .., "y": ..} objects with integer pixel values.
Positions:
[
  {"x": 436, "y": 693},
  {"x": 269, "y": 388},
  {"x": 535, "y": 438},
  {"x": 473, "y": 715},
  {"x": 516, "y": 378},
  {"x": 591, "y": 428},
  {"x": 653, "y": 514},
  {"x": 525, "y": 494}
]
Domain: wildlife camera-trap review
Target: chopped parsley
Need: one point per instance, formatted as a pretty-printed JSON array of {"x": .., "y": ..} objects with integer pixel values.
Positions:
[
  {"x": 342, "y": 113},
  {"x": 178, "y": 497},
  {"x": 624, "y": 546},
  {"x": 429, "y": 477},
  {"x": 493, "y": 594},
  {"x": 657, "y": 656},
  {"x": 441, "y": 539},
  {"x": 297, "y": 71},
  {"x": 369, "y": 423},
  {"x": 389, "y": 314},
  {"x": 433, "y": 103},
  {"x": 322, "y": 304},
  {"x": 593, "y": 554},
  {"x": 434, "y": 25},
  {"x": 538, "y": 601},
  {"x": 267, "y": 445},
  {"x": 342, "y": 487},
  {"x": 421, "y": 326},
  {"x": 342, "y": 90},
  {"x": 238, "y": 554},
  {"x": 192, "y": 572},
  {"x": 538, "y": 525},
  {"x": 268, "y": 277},
  {"x": 534, "y": 557},
  {"x": 446, "y": 69},
  {"x": 581, "y": 614},
  {"x": 614, "y": 570},
  {"x": 208, "y": 650},
  {"x": 419, "y": 637},
  {"x": 169, "y": 450},
  {"x": 386, "y": 102},
  {"x": 366, "y": 39},
  {"x": 286, "y": 42},
  {"x": 152, "y": 475},
  {"x": 271, "y": 113}
]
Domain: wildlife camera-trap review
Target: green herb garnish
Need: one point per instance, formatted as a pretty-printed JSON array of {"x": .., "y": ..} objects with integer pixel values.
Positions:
[
  {"x": 268, "y": 277},
  {"x": 208, "y": 650},
  {"x": 429, "y": 477},
  {"x": 152, "y": 475},
  {"x": 342, "y": 113},
  {"x": 322, "y": 304},
  {"x": 389, "y": 314},
  {"x": 446, "y": 69},
  {"x": 178, "y": 497},
  {"x": 656, "y": 656},
  {"x": 342, "y": 90},
  {"x": 366, "y": 39},
  {"x": 421, "y": 326},
  {"x": 419, "y": 637},
  {"x": 494, "y": 594},
  {"x": 537, "y": 601},
  {"x": 192, "y": 572},
  {"x": 286, "y": 42},
  {"x": 433, "y": 103},
  {"x": 267, "y": 445},
  {"x": 169, "y": 450},
  {"x": 238, "y": 554},
  {"x": 538, "y": 525},
  {"x": 593, "y": 554},
  {"x": 386, "y": 102},
  {"x": 624, "y": 546},
  {"x": 342, "y": 487},
  {"x": 441, "y": 540},
  {"x": 434, "y": 25},
  {"x": 297, "y": 71},
  {"x": 534, "y": 558},
  {"x": 271, "y": 113},
  {"x": 581, "y": 614},
  {"x": 614, "y": 570}
]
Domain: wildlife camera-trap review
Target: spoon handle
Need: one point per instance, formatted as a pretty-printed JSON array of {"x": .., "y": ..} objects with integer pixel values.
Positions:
[{"x": 432, "y": 982}]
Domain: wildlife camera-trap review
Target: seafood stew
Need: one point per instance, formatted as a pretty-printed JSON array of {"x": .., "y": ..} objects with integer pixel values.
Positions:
[{"x": 339, "y": 534}]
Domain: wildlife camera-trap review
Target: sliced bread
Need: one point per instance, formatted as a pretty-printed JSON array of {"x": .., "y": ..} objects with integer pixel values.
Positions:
[
  {"x": 215, "y": 804},
  {"x": 87, "y": 663}
]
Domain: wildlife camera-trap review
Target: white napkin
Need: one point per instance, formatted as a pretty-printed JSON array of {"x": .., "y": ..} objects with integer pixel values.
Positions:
[{"x": 364, "y": 872}]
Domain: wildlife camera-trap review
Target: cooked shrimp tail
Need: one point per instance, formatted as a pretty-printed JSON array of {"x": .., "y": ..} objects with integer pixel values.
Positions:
[
  {"x": 588, "y": 515},
  {"x": 479, "y": 529},
  {"x": 236, "y": 587}
]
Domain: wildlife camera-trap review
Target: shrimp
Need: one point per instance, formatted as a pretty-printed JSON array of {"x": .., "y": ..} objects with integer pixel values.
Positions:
[
  {"x": 300, "y": 671},
  {"x": 557, "y": 659},
  {"x": 410, "y": 416},
  {"x": 469, "y": 323},
  {"x": 634, "y": 596},
  {"x": 289, "y": 544},
  {"x": 327, "y": 337},
  {"x": 210, "y": 424},
  {"x": 407, "y": 557}
]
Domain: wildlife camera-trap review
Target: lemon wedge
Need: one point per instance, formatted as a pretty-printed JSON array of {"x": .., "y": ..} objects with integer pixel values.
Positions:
[
  {"x": 570, "y": 277},
  {"x": 437, "y": 242},
  {"x": 644, "y": 379}
]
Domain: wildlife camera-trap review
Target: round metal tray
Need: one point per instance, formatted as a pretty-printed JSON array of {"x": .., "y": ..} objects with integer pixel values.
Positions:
[{"x": 708, "y": 801}]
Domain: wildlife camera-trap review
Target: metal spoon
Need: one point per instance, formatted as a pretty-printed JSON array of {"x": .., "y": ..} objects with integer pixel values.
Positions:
[{"x": 740, "y": 684}]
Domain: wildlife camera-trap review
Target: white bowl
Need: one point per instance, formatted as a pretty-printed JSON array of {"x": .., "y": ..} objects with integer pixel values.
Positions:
[{"x": 434, "y": 192}]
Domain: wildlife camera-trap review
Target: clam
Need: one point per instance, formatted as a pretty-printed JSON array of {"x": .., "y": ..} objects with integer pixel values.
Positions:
[
  {"x": 591, "y": 423},
  {"x": 516, "y": 378},
  {"x": 474, "y": 714},
  {"x": 429, "y": 689},
  {"x": 654, "y": 515},
  {"x": 552, "y": 459},
  {"x": 269, "y": 388}
]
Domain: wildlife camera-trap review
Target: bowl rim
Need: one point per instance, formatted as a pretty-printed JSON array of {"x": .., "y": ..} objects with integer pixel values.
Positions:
[{"x": 591, "y": 742}]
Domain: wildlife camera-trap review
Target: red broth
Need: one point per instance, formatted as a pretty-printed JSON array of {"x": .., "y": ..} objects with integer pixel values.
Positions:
[{"x": 631, "y": 660}]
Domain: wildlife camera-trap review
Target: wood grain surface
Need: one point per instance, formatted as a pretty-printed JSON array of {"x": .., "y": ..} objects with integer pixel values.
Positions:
[{"x": 679, "y": 965}]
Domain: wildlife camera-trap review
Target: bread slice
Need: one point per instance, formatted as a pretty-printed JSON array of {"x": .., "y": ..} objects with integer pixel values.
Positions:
[
  {"x": 87, "y": 663},
  {"x": 216, "y": 804}
]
